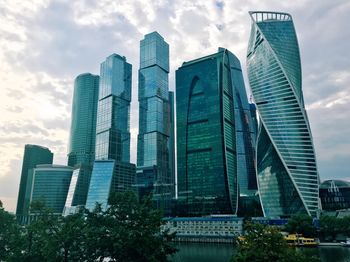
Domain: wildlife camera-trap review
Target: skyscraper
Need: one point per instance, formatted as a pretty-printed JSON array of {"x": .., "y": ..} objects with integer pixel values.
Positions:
[
  {"x": 83, "y": 122},
  {"x": 33, "y": 155},
  {"x": 286, "y": 164},
  {"x": 113, "y": 113},
  {"x": 215, "y": 147},
  {"x": 153, "y": 167},
  {"x": 112, "y": 171},
  {"x": 82, "y": 139}
]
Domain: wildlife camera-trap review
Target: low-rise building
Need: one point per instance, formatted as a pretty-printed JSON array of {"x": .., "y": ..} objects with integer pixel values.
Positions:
[{"x": 205, "y": 229}]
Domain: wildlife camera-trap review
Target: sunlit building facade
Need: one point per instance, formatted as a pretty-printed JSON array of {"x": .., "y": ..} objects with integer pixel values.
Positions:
[
  {"x": 215, "y": 140},
  {"x": 153, "y": 146},
  {"x": 109, "y": 176},
  {"x": 286, "y": 165}
]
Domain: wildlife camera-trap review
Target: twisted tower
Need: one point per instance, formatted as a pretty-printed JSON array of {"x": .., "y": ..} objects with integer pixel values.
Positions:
[{"x": 287, "y": 173}]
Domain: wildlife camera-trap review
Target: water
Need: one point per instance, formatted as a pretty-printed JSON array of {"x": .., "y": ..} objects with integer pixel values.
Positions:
[{"x": 209, "y": 252}]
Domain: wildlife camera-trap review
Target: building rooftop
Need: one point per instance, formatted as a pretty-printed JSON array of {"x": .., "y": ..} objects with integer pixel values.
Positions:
[
  {"x": 334, "y": 183},
  {"x": 263, "y": 16}
]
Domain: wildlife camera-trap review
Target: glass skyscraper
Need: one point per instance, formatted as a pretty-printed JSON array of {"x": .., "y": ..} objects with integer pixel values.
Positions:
[
  {"x": 83, "y": 123},
  {"x": 82, "y": 139},
  {"x": 112, "y": 171},
  {"x": 33, "y": 155},
  {"x": 215, "y": 140},
  {"x": 113, "y": 111},
  {"x": 153, "y": 163},
  {"x": 286, "y": 165}
]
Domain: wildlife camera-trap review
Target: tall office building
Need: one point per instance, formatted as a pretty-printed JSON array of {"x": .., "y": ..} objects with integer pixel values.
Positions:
[
  {"x": 286, "y": 164},
  {"x": 113, "y": 111},
  {"x": 50, "y": 183},
  {"x": 83, "y": 123},
  {"x": 112, "y": 171},
  {"x": 82, "y": 139},
  {"x": 153, "y": 167},
  {"x": 33, "y": 155},
  {"x": 215, "y": 147}
]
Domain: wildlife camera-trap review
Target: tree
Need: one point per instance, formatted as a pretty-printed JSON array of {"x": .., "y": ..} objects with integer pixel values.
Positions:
[
  {"x": 331, "y": 226},
  {"x": 10, "y": 236},
  {"x": 264, "y": 243},
  {"x": 128, "y": 231},
  {"x": 301, "y": 224}
]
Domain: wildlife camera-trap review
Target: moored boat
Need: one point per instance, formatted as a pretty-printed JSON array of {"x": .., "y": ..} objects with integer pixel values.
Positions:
[{"x": 300, "y": 241}]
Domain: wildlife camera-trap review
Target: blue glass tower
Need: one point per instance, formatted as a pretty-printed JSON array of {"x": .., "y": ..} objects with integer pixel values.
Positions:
[
  {"x": 286, "y": 164},
  {"x": 113, "y": 111},
  {"x": 112, "y": 164},
  {"x": 154, "y": 120},
  {"x": 215, "y": 141}
]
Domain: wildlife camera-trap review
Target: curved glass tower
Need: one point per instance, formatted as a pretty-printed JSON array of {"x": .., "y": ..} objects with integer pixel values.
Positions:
[
  {"x": 287, "y": 174},
  {"x": 215, "y": 143},
  {"x": 83, "y": 127}
]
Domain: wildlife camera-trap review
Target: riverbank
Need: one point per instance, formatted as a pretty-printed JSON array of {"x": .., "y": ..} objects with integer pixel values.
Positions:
[{"x": 209, "y": 252}]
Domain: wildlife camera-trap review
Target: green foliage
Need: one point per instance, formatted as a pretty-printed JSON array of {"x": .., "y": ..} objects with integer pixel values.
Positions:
[
  {"x": 126, "y": 231},
  {"x": 10, "y": 236},
  {"x": 263, "y": 243},
  {"x": 330, "y": 226},
  {"x": 301, "y": 224}
]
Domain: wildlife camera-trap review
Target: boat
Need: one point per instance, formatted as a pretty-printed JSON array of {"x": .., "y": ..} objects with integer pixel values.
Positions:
[
  {"x": 346, "y": 244},
  {"x": 299, "y": 241}
]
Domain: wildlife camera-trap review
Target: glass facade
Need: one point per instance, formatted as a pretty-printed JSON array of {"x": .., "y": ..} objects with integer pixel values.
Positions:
[
  {"x": 113, "y": 111},
  {"x": 286, "y": 165},
  {"x": 109, "y": 176},
  {"x": 100, "y": 184},
  {"x": 78, "y": 188},
  {"x": 112, "y": 171},
  {"x": 83, "y": 125},
  {"x": 33, "y": 155},
  {"x": 335, "y": 195},
  {"x": 172, "y": 140},
  {"x": 215, "y": 142},
  {"x": 153, "y": 147},
  {"x": 50, "y": 184}
]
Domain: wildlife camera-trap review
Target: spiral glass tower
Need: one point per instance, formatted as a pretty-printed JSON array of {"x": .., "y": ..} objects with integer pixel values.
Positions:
[{"x": 287, "y": 173}]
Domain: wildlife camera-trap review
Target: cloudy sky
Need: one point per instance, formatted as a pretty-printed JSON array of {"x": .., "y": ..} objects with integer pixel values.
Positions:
[{"x": 45, "y": 44}]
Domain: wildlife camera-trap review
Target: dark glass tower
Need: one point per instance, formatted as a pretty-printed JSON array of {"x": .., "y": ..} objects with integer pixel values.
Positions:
[
  {"x": 154, "y": 172},
  {"x": 286, "y": 164},
  {"x": 215, "y": 152},
  {"x": 83, "y": 125},
  {"x": 112, "y": 171},
  {"x": 33, "y": 155}
]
